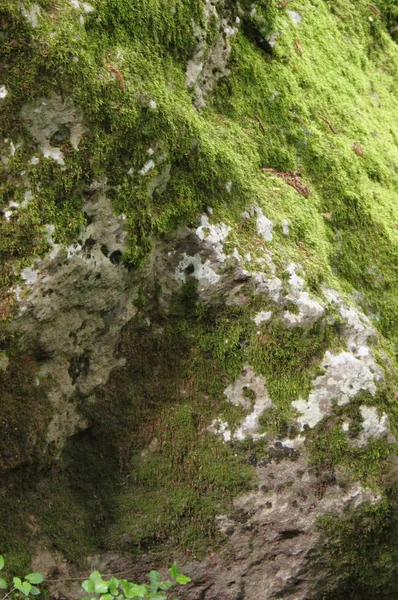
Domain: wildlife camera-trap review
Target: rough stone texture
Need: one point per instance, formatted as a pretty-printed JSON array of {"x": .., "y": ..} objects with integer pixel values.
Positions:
[
  {"x": 374, "y": 426},
  {"x": 272, "y": 535},
  {"x": 73, "y": 305},
  {"x": 272, "y": 538},
  {"x": 31, "y": 14},
  {"x": 309, "y": 311},
  {"x": 50, "y": 117},
  {"x": 238, "y": 394},
  {"x": 209, "y": 64},
  {"x": 211, "y": 328}
]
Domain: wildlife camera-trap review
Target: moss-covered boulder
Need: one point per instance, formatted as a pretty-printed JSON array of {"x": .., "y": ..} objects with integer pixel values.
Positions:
[{"x": 198, "y": 293}]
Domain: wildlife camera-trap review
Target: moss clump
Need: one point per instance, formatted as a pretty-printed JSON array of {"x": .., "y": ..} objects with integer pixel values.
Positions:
[
  {"x": 68, "y": 507},
  {"x": 289, "y": 358},
  {"x": 389, "y": 13},
  {"x": 294, "y": 99},
  {"x": 176, "y": 475},
  {"x": 360, "y": 552},
  {"x": 331, "y": 447},
  {"x": 180, "y": 485},
  {"x": 24, "y": 413}
]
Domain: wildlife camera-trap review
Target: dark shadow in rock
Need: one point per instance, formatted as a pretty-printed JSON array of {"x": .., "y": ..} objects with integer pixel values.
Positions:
[
  {"x": 116, "y": 257},
  {"x": 79, "y": 365}
]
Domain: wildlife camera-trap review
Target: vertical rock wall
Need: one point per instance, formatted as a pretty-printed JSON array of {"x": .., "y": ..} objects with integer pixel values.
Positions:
[{"x": 198, "y": 285}]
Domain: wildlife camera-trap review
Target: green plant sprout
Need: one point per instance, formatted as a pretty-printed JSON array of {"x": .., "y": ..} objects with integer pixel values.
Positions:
[
  {"x": 113, "y": 589},
  {"x": 121, "y": 589},
  {"x": 25, "y": 587}
]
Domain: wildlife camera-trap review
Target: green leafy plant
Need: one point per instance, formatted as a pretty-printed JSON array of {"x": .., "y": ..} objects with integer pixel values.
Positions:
[
  {"x": 25, "y": 587},
  {"x": 121, "y": 589},
  {"x": 112, "y": 589}
]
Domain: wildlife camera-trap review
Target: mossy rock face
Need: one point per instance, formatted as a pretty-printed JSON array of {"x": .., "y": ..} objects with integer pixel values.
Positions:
[{"x": 198, "y": 292}]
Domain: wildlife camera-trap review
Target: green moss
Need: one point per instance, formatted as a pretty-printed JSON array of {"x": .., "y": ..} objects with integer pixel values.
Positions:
[
  {"x": 24, "y": 413},
  {"x": 70, "y": 507},
  {"x": 289, "y": 359},
  {"x": 86, "y": 484},
  {"x": 331, "y": 447},
  {"x": 361, "y": 553},
  {"x": 177, "y": 476},
  {"x": 181, "y": 486},
  {"x": 389, "y": 13},
  {"x": 360, "y": 224},
  {"x": 226, "y": 142}
]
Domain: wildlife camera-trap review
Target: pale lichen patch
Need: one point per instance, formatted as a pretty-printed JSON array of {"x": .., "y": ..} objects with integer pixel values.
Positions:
[
  {"x": 295, "y": 16},
  {"x": 209, "y": 64},
  {"x": 264, "y": 226},
  {"x": 347, "y": 373},
  {"x": 345, "y": 376},
  {"x": 87, "y": 8},
  {"x": 309, "y": 310},
  {"x": 31, "y": 14},
  {"x": 193, "y": 265},
  {"x": 150, "y": 164},
  {"x": 220, "y": 427},
  {"x": 29, "y": 275},
  {"x": 262, "y": 317},
  {"x": 53, "y": 120},
  {"x": 213, "y": 236},
  {"x": 250, "y": 392},
  {"x": 373, "y": 426},
  {"x": 285, "y": 227}
]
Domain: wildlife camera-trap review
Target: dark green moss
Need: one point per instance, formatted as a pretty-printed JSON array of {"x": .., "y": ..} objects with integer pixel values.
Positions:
[
  {"x": 389, "y": 13},
  {"x": 70, "y": 506},
  {"x": 24, "y": 413},
  {"x": 177, "y": 476},
  {"x": 179, "y": 486},
  {"x": 360, "y": 552}
]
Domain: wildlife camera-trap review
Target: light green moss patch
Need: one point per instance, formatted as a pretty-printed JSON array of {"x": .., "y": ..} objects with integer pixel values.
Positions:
[
  {"x": 291, "y": 94},
  {"x": 334, "y": 81}
]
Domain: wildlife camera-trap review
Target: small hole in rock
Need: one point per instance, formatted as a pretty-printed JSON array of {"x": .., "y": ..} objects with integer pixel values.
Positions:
[
  {"x": 290, "y": 534},
  {"x": 190, "y": 269},
  {"x": 115, "y": 257},
  {"x": 60, "y": 136}
]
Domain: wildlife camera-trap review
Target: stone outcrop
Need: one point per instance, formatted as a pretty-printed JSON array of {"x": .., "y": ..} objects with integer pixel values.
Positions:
[{"x": 198, "y": 294}]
